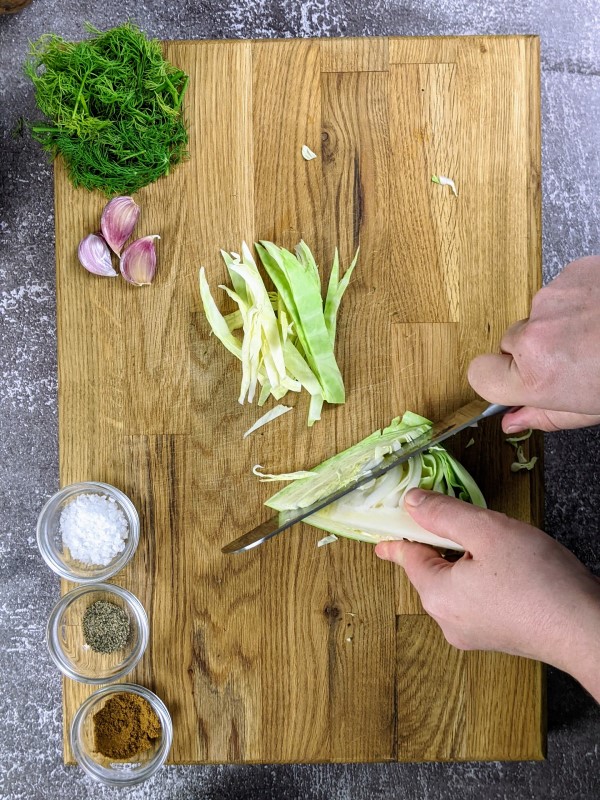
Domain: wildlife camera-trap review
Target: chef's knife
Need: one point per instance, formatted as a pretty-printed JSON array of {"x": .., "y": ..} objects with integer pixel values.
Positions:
[{"x": 465, "y": 417}]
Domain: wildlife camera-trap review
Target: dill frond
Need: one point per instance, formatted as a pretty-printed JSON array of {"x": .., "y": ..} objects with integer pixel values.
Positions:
[{"x": 113, "y": 106}]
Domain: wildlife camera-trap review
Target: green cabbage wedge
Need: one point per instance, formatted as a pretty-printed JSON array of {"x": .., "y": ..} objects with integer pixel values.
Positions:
[{"x": 375, "y": 512}]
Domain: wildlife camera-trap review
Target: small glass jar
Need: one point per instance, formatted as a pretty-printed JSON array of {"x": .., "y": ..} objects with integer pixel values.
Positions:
[
  {"x": 12, "y": 6},
  {"x": 66, "y": 640},
  {"x": 114, "y": 772},
  {"x": 58, "y": 557}
]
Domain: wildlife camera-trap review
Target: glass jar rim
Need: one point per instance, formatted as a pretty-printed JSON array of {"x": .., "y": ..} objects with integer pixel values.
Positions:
[
  {"x": 57, "y": 564},
  {"x": 102, "y": 774},
  {"x": 134, "y": 605}
]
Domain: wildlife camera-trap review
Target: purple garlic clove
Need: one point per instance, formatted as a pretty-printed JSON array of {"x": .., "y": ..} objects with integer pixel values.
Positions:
[
  {"x": 94, "y": 255},
  {"x": 138, "y": 262},
  {"x": 118, "y": 221}
]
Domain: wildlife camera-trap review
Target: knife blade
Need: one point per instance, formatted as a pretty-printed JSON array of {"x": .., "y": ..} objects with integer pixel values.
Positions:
[{"x": 464, "y": 417}]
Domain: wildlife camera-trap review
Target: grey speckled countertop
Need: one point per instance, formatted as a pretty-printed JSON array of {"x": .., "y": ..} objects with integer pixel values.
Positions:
[{"x": 30, "y": 706}]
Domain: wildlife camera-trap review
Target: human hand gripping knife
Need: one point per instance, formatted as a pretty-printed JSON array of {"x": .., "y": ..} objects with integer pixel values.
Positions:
[{"x": 465, "y": 417}]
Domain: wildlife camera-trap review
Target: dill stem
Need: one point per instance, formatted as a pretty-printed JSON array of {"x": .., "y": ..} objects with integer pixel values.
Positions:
[
  {"x": 80, "y": 94},
  {"x": 172, "y": 89},
  {"x": 179, "y": 99}
]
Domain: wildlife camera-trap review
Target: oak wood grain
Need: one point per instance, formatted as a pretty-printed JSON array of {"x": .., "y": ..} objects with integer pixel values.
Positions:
[
  {"x": 356, "y": 157},
  {"x": 431, "y": 691},
  {"x": 426, "y": 49},
  {"x": 423, "y": 233},
  {"x": 354, "y": 55},
  {"x": 293, "y": 653},
  {"x": 424, "y": 367}
]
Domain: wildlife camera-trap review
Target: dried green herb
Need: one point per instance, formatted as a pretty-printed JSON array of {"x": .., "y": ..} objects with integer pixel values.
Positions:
[
  {"x": 114, "y": 107},
  {"x": 106, "y": 627}
]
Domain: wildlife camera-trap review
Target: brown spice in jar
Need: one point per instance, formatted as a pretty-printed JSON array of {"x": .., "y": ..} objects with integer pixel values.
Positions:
[
  {"x": 125, "y": 726},
  {"x": 12, "y": 6}
]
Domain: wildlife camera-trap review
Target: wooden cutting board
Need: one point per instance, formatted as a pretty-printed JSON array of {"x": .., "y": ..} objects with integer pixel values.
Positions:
[{"x": 293, "y": 652}]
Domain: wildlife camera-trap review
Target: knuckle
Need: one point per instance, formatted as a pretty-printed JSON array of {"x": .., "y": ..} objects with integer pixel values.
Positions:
[
  {"x": 511, "y": 335},
  {"x": 544, "y": 422},
  {"x": 532, "y": 341},
  {"x": 437, "y": 508},
  {"x": 457, "y": 639},
  {"x": 539, "y": 300},
  {"x": 534, "y": 359},
  {"x": 433, "y": 605},
  {"x": 493, "y": 523}
]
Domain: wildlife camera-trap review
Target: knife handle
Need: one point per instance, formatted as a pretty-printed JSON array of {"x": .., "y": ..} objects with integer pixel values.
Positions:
[{"x": 466, "y": 415}]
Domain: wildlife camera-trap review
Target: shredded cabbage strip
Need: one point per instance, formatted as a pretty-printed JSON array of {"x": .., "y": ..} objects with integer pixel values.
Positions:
[{"x": 288, "y": 336}]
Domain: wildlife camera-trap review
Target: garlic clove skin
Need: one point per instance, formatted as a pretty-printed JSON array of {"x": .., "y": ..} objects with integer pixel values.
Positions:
[
  {"x": 138, "y": 262},
  {"x": 94, "y": 255},
  {"x": 118, "y": 221}
]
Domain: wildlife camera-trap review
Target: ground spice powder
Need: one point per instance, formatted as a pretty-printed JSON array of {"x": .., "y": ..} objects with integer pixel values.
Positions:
[{"x": 125, "y": 726}]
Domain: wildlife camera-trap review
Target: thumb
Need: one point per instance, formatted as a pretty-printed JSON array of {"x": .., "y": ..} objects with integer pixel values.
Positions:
[{"x": 454, "y": 519}]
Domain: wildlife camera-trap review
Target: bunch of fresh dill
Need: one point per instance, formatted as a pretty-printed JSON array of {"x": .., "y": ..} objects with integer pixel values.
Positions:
[{"x": 114, "y": 106}]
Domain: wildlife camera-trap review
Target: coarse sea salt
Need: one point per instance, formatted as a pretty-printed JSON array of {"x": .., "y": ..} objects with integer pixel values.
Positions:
[{"x": 94, "y": 529}]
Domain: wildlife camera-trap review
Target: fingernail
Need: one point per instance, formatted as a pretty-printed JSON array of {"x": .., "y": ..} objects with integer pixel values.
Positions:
[
  {"x": 415, "y": 497},
  {"x": 514, "y": 429}
]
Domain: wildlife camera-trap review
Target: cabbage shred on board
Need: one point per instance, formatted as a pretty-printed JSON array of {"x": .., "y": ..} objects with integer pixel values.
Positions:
[{"x": 288, "y": 336}]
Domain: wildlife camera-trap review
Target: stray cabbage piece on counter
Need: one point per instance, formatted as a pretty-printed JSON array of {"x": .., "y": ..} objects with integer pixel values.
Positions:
[{"x": 522, "y": 462}]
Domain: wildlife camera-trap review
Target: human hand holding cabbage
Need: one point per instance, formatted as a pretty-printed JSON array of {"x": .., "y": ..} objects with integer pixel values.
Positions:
[{"x": 516, "y": 589}]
